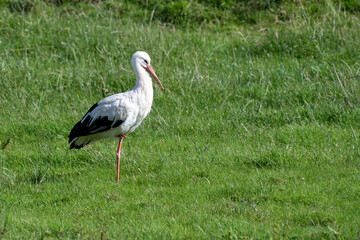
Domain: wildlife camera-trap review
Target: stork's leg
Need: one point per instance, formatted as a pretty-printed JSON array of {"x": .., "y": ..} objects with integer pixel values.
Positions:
[{"x": 121, "y": 137}]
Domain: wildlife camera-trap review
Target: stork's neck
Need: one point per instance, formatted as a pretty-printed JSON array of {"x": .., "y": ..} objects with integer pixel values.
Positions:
[{"x": 143, "y": 80}]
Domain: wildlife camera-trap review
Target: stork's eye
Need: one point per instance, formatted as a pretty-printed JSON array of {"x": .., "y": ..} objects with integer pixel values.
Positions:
[{"x": 146, "y": 61}]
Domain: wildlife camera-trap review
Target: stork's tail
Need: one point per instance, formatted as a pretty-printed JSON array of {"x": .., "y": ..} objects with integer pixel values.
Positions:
[
  {"x": 75, "y": 140},
  {"x": 79, "y": 142}
]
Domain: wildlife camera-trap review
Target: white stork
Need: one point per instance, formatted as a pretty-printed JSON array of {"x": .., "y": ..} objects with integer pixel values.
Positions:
[{"x": 119, "y": 114}]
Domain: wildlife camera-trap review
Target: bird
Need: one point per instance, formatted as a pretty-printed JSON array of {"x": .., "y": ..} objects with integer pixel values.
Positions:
[{"x": 118, "y": 115}]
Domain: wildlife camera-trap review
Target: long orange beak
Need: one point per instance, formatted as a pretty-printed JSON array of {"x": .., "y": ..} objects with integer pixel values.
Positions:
[{"x": 153, "y": 74}]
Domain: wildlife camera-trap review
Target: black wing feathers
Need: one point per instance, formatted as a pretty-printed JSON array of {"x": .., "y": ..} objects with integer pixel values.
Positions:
[{"x": 88, "y": 125}]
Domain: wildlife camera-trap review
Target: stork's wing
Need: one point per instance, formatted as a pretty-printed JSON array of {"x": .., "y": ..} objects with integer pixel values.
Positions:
[{"x": 101, "y": 117}]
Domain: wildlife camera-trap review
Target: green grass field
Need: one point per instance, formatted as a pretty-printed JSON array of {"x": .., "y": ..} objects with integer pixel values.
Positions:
[{"x": 256, "y": 135}]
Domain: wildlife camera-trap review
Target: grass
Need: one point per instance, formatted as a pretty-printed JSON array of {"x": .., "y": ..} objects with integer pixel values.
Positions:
[{"x": 256, "y": 135}]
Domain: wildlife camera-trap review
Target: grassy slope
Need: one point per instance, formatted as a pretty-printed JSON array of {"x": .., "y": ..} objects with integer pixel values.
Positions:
[{"x": 256, "y": 134}]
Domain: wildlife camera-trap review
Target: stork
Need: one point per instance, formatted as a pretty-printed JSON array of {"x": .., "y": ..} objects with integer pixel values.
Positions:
[{"x": 119, "y": 114}]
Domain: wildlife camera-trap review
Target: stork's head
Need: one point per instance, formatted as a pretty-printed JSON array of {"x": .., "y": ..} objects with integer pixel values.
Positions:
[{"x": 142, "y": 59}]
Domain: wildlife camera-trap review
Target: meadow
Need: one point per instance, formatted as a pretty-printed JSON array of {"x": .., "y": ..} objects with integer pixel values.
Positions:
[{"x": 256, "y": 135}]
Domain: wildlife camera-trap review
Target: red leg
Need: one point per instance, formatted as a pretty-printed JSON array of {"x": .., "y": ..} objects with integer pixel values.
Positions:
[{"x": 118, "y": 157}]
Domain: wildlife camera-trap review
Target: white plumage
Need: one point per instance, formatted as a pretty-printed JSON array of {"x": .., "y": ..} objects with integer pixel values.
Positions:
[{"x": 119, "y": 114}]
